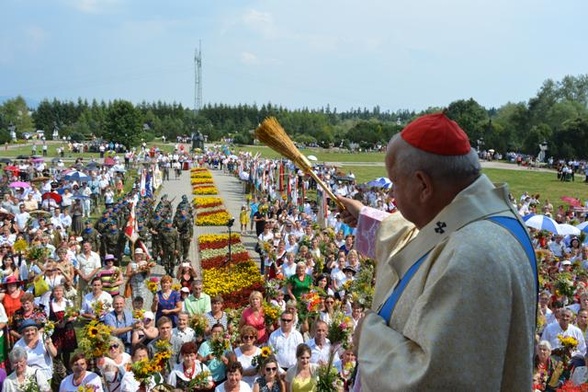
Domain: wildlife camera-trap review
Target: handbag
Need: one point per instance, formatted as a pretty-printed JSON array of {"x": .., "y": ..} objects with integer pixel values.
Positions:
[
  {"x": 128, "y": 290},
  {"x": 41, "y": 286}
]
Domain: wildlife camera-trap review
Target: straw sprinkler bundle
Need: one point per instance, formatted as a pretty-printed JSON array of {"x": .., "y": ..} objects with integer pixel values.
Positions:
[{"x": 271, "y": 133}]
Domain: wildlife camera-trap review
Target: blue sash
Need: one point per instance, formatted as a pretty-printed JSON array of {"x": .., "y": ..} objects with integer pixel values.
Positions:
[{"x": 510, "y": 224}]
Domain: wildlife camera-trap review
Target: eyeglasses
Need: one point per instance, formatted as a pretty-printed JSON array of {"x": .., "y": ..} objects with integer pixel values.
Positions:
[
  {"x": 271, "y": 369},
  {"x": 286, "y": 320},
  {"x": 113, "y": 346},
  {"x": 248, "y": 337},
  {"x": 329, "y": 302}
]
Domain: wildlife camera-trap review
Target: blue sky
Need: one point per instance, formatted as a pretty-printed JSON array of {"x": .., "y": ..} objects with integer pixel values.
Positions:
[{"x": 402, "y": 54}]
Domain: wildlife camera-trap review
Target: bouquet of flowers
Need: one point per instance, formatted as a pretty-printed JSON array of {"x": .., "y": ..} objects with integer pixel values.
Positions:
[
  {"x": 260, "y": 358},
  {"x": 20, "y": 245},
  {"x": 272, "y": 287},
  {"x": 95, "y": 338},
  {"x": 99, "y": 307},
  {"x": 152, "y": 285},
  {"x": 163, "y": 352},
  {"x": 29, "y": 384},
  {"x": 176, "y": 286},
  {"x": 199, "y": 323},
  {"x": 48, "y": 329},
  {"x": 138, "y": 314},
  {"x": 340, "y": 329},
  {"x": 271, "y": 313},
  {"x": 201, "y": 381},
  {"x": 328, "y": 379},
  {"x": 144, "y": 369},
  {"x": 70, "y": 312},
  {"x": 219, "y": 344},
  {"x": 309, "y": 305},
  {"x": 87, "y": 388}
]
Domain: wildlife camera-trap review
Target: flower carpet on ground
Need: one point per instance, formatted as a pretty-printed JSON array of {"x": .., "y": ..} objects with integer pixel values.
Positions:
[{"x": 234, "y": 279}]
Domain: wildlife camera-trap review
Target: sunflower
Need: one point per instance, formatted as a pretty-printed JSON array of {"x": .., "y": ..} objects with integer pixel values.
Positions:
[
  {"x": 266, "y": 351},
  {"x": 92, "y": 332}
]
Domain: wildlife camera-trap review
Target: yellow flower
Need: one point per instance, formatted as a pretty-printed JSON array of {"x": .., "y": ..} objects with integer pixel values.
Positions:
[
  {"x": 92, "y": 332},
  {"x": 266, "y": 351}
]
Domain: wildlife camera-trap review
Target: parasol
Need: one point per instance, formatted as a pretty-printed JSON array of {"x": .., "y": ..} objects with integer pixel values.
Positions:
[
  {"x": 572, "y": 201},
  {"x": 108, "y": 161},
  {"x": 52, "y": 195},
  {"x": 77, "y": 176},
  {"x": 542, "y": 222},
  {"x": 5, "y": 160},
  {"x": 381, "y": 182},
  {"x": 11, "y": 168},
  {"x": 19, "y": 184},
  {"x": 583, "y": 226},
  {"x": 40, "y": 213},
  {"x": 567, "y": 229}
]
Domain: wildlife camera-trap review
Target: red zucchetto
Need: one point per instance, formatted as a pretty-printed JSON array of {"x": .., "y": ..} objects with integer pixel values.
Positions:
[{"x": 437, "y": 134}]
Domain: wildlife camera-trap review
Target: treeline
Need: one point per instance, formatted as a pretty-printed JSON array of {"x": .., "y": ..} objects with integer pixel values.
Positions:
[{"x": 557, "y": 115}]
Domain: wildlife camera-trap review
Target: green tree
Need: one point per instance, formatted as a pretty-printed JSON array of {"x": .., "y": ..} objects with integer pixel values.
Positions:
[
  {"x": 15, "y": 111},
  {"x": 470, "y": 116},
  {"x": 123, "y": 124}
]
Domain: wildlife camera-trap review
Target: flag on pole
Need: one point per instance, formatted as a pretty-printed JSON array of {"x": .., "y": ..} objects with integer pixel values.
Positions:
[{"x": 131, "y": 230}]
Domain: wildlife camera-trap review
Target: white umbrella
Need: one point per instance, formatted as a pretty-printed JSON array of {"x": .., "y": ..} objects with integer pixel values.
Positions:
[
  {"x": 542, "y": 222},
  {"x": 567, "y": 229},
  {"x": 583, "y": 226},
  {"x": 312, "y": 158}
]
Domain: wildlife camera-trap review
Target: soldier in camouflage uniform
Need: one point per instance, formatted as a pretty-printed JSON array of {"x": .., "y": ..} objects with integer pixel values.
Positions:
[
  {"x": 91, "y": 235},
  {"x": 155, "y": 225},
  {"x": 170, "y": 246},
  {"x": 184, "y": 204},
  {"x": 185, "y": 228},
  {"x": 102, "y": 225},
  {"x": 113, "y": 240}
]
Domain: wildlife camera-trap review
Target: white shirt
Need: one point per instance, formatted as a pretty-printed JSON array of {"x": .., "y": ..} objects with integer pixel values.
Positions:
[
  {"x": 11, "y": 382},
  {"x": 551, "y": 332},
  {"x": 285, "y": 346},
  {"x": 89, "y": 301},
  {"x": 89, "y": 379},
  {"x": 88, "y": 263},
  {"x": 243, "y": 387},
  {"x": 38, "y": 357},
  {"x": 320, "y": 355}
]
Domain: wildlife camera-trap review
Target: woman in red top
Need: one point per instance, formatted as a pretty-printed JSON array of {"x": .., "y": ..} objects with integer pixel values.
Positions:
[
  {"x": 11, "y": 298},
  {"x": 253, "y": 316}
]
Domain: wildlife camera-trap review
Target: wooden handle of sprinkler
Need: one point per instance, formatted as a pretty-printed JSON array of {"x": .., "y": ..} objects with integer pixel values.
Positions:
[{"x": 326, "y": 189}]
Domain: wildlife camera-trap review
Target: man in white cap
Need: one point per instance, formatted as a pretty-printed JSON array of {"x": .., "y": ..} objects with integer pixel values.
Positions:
[{"x": 455, "y": 249}]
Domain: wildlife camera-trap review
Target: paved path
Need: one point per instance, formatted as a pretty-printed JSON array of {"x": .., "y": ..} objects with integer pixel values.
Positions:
[{"x": 230, "y": 190}]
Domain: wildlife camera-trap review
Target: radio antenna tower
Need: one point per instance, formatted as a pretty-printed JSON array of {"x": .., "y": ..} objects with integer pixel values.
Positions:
[{"x": 198, "y": 79}]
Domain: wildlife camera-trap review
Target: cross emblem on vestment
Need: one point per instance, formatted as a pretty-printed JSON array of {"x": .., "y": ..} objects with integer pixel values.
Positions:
[{"x": 440, "y": 227}]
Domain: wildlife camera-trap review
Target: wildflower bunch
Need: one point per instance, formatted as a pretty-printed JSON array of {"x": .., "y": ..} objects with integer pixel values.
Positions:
[
  {"x": 48, "y": 329},
  {"x": 176, "y": 286},
  {"x": 340, "y": 329},
  {"x": 29, "y": 384},
  {"x": 271, "y": 313},
  {"x": 87, "y": 388},
  {"x": 199, "y": 323},
  {"x": 20, "y": 245},
  {"x": 328, "y": 379},
  {"x": 144, "y": 369},
  {"x": 100, "y": 308},
  {"x": 272, "y": 287},
  {"x": 200, "y": 381},
  {"x": 70, "y": 312},
  {"x": 219, "y": 344},
  {"x": 95, "y": 338},
  {"x": 568, "y": 342}
]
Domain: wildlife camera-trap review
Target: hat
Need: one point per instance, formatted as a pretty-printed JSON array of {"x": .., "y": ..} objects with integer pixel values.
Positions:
[
  {"x": 185, "y": 290},
  {"x": 109, "y": 257},
  {"x": 437, "y": 134},
  {"x": 27, "y": 323},
  {"x": 351, "y": 269},
  {"x": 149, "y": 315},
  {"x": 566, "y": 262},
  {"x": 139, "y": 251},
  {"x": 11, "y": 279}
]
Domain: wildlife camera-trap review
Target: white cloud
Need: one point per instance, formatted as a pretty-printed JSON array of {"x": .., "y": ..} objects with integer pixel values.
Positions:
[
  {"x": 261, "y": 22},
  {"x": 249, "y": 58},
  {"x": 92, "y": 6}
]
